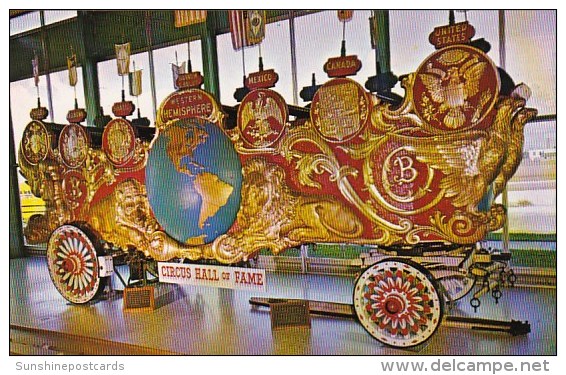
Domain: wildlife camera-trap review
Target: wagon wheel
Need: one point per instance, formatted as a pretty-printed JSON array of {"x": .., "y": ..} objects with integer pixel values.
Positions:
[
  {"x": 398, "y": 302},
  {"x": 457, "y": 286},
  {"x": 73, "y": 263}
]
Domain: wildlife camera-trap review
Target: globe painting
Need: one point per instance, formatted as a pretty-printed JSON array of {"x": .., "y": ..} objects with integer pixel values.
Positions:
[{"x": 193, "y": 180}]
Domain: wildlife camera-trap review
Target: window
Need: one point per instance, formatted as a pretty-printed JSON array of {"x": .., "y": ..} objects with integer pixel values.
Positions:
[
  {"x": 144, "y": 101},
  {"x": 52, "y": 16},
  {"x": 319, "y": 37},
  {"x": 63, "y": 94},
  {"x": 532, "y": 190},
  {"x": 177, "y": 54},
  {"x": 276, "y": 52},
  {"x": 25, "y": 22},
  {"x": 110, "y": 84},
  {"x": 531, "y": 54}
]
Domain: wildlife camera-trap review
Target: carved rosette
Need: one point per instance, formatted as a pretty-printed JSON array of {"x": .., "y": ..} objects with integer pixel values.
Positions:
[
  {"x": 262, "y": 119},
  {"x": 340, "y": 109},
  {"x": 119, "y": 141},
  {"x": 36, "y": 142},
  {"x": 73, "y": 145}
]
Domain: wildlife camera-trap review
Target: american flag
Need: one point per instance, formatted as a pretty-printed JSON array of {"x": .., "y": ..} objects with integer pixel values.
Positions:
[
  {"x": 247, "y": 27},
  {"x": 189, "y": 17}
]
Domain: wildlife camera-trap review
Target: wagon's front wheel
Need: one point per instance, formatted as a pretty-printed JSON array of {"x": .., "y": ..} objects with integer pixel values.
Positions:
[
  {"x": 398, "y": 302},
  {"x": 73, "y": 263}
]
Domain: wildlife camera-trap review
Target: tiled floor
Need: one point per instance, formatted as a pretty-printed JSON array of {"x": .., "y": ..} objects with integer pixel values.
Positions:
[{"x": 204, "y": 320}]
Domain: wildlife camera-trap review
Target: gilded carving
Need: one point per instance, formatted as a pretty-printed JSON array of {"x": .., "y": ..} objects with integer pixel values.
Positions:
[
  {"x": 36, "y": 142},
  {"x": 44, "y": 180},
  {"x": 262, "y": 117},
  {"x": 188, "y": 103},
  {"x": 358, "y": 171},
  {"x": 118, "y": 141},
  {"x": 274, "y": 216},
  {"x": 456, "y": 86},
  {"x": 339, "y": 110},
  {"x": 73, "y": 145},
  {"x": 124, "y": 216}
]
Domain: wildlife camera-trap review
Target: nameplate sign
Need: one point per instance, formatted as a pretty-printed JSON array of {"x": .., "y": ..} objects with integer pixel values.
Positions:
[
  {"x": 215, "y": 276},
  {"x": 342, "y": 66},
  {"x": 290, "y": 313},
  {"x": 187, "y": 104},
  {"x": 191, "y": 80},
  {"x": 458, "y": 33},
  {"x": 262, "y": 80},
  {"x": 123, "y": 109}
]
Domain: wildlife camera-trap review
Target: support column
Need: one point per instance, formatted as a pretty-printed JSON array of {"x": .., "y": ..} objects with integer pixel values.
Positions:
[
  {"x": 90, "y": 69},
  {"x": 149, "y": 39},
  {"x": 502, "y": 64},
  {"x": 382, "y": 51},
  {"x": 45, "y": 54},
  {"x": 293, "y": 58},
  {"x": 210, "y": 55},
  {"x": 16, "y": 230}
]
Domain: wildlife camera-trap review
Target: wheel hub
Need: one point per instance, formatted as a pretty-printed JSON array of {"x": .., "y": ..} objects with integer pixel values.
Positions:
[
  {"x": 68, "y": 265},
  {"x": 394, "y": 305}
]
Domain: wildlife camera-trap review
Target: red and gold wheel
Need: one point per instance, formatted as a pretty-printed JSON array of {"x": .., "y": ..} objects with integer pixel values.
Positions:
[
  {"x": 398, "y": 302},
  {"x": 73, "y": 263}
]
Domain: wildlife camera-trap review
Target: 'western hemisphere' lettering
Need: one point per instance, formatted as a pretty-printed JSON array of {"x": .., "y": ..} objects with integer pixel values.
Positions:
[
  {"x": 200, "y": 110},
  {"x": 188, "y": 104}
]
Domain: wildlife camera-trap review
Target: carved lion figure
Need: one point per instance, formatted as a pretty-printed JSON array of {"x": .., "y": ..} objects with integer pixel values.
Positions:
[
  {"x": 272, "y": 211},
  {"x": 124, "y": 217}
]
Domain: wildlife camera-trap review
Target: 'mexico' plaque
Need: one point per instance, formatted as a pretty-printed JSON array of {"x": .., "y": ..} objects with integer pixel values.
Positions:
[{"x": 262, "y": 117}]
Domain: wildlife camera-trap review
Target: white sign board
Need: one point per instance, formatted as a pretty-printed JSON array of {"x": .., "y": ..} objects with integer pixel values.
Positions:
[
  {"x": 105, "y": 265},
  {"x": 215, "y": 276}
]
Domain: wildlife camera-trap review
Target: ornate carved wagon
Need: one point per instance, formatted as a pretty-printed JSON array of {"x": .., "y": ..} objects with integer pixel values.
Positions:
[{"x": 416, "y": 182}]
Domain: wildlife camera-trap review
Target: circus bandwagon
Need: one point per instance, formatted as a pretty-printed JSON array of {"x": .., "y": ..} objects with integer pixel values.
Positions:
[{"x": 414, "y": 181}]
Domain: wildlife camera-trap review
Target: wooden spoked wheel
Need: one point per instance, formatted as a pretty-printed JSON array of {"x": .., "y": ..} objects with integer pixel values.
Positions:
[
  {"x": 398, "y": 302},
  {"x": 73, "y": 263}
]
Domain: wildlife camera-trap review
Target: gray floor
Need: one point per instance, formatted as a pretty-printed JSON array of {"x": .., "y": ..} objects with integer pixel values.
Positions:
[{"x": 204, "y": 320}]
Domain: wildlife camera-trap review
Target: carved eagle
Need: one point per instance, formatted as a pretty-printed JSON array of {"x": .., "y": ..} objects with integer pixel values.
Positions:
[
  {"x": 258, "y": 112},
  {"x": 452, "y": 88},
  {"x": 470, "y": 161}
]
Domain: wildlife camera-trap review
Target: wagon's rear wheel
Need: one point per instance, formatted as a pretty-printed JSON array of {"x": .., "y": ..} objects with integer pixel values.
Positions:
[
  {"x": 73, "y": 265},
  {"x": 398, "y": 302}
]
